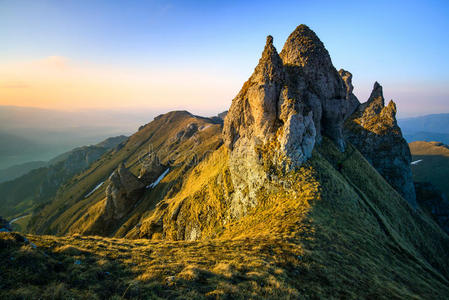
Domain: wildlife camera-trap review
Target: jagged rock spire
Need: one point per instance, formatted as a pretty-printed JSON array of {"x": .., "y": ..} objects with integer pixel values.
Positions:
[
  {"x": 374, "y": 131},
  {"x": 253, "y": 111},
  {"x": 347, "y": 78},
  {"x": 305, "y": 50}
]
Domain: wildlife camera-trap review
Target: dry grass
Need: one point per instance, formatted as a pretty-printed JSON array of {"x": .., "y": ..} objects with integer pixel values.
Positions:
[{"x": 342, "y": 234}]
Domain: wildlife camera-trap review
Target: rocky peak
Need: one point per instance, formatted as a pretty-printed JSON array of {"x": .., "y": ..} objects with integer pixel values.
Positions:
[
  {"x": 374, "y": 131},
  {"x": 375, "y": 103},
  {"x": 294, "y": 98},
  {"x": 270, "y": 64},
  {"x": 304, "y": 50},
  {"x": 347, "y": 78},
  {"x": 122, "y": 192},
  {"x": 253, "y": 111}
]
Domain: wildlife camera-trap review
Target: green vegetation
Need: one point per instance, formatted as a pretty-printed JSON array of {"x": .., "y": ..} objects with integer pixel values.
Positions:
[
  {"x": 31, "y": 191},
  {"x": 344, "y": 234},
  {"x": 72, "y": 212},
  {"x": 434, "y": 167}
]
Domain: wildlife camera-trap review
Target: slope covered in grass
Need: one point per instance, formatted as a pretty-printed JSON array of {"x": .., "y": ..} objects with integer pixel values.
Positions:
[
  {"x": 432, "y": 164},
  {"x": 76, "y": 210},
  {"x": 345, "y": 234},
  {"x": 34, "y": 189}
]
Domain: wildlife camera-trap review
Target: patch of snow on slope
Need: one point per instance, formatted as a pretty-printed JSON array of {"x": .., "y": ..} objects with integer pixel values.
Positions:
[
  {"x": 416, "y": 162},
  {"x": 158, "y": 179},
  {"x": 95, "y": 188}
]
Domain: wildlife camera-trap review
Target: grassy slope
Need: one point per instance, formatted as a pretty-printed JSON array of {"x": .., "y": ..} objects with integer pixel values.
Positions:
[
  {"x": 32, "y": 190},
  {"x": 69, "y": 212},
  {"x": 344, "y": 234},
  {"x": 434, "y": 166}
]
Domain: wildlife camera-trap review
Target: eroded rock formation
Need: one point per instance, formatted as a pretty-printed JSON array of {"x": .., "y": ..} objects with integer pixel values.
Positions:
[
  {"x": 123, "y": 191},
  {"x": 284, "y": 108},
  {"x": 293, "y": 99},
  {"x": 373, "y": 130}
]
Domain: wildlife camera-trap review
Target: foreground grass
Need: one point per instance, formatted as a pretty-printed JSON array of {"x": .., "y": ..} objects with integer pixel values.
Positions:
[
  {"x": 327, "y": 232},
  {"x": 93, "y": 267}
]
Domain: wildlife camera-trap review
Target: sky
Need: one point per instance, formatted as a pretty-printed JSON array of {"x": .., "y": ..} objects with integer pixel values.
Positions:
[{"x": 196, "y": 55}]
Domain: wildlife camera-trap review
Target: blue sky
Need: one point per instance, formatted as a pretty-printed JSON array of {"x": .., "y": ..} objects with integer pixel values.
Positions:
[{"x": 402, "y": 44}]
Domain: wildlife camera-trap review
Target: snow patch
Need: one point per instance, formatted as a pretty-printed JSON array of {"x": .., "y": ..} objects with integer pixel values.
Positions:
[
  {"x": 158, "y": 179},
  {"x": 205, "y": 127},
  {"x": 95, "y": 188},
  {"x": 416, "y": 162}
]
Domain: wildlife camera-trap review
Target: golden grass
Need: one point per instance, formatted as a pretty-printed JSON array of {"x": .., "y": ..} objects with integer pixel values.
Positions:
[{"x": 319, "y": 233}]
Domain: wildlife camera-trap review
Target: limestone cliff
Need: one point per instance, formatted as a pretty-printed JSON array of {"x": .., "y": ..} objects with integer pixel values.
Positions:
[
  {"x": 290, "y": 101},
  {"x": 284, "y": 108}
]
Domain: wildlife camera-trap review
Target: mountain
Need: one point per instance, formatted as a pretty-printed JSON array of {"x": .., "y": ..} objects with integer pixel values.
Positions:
[
  {"x": 19, "y": 170},
  {"x": 35, "y": 134},
  {"x": 431, "y": 163},
  {"x": 426, "y": 128},
  {"x": 25, "y": 193},
  {"x": 301, "y": 192}
]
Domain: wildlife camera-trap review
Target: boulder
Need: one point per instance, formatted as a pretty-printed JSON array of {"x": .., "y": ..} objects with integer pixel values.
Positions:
[{"x": 122, "y": 193}]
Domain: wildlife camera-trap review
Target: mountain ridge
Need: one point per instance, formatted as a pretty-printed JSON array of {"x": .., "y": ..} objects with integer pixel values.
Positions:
[{"x": 301, "y": 192}]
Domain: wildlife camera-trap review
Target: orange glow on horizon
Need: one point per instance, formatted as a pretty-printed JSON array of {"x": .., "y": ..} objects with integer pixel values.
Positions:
[{"x": 58, "y": 82}]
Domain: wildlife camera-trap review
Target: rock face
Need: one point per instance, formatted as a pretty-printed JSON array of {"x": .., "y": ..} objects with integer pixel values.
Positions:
[
  {"x": 151, "y": 169},
  {"x": 293, "y": 99},
  {"x": 318, "y": 83},
  {"x": 123, "y": 191},
  {"x": 373, "y": 130},
  {"x": 434, "y": 202},
  {"x": 284, "y": 108}
]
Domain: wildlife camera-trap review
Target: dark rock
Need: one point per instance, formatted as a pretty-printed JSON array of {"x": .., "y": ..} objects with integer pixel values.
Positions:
[
  {"x": 434, "y": 203},
  {"x": 123, "y": 191},
  {"x": 151, "y": 168},
  {"x": 374, "y": 131}
]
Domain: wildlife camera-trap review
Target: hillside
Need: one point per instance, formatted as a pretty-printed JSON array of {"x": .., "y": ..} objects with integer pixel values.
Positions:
[
  {"x": 339, "y": 237},
  {"x": 300, "y": 192},
  {"x": 431, "y": 163},
  {"x": 36, "y": 134},
  {"x": 19, "y": 170},
  {"x": 179, "y": 140},
  {"x": 22, "y": 195}
]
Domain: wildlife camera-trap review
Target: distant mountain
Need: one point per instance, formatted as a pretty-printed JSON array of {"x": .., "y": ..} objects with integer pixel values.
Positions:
[
  {"x": 19, "y": 170},
  {"x": 21, "y": 195},
  {"x": 427, "y": 128},
  {"x": 34, "y": 134}
]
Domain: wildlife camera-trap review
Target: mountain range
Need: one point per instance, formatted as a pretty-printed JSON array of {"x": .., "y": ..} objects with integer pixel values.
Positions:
[
  {"x": 300, "y": 192},
  {"x": 429, "y": 128},
  {"x": 25, "y": 193}
]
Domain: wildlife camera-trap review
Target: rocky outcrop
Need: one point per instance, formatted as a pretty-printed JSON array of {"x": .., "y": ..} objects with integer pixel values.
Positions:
[
  {"x": 293, "y": 99},
  {"x": 284, "y": 108},
  {"x": 318, "y": 83},
  {"x": 151, "y": 168},
  {"x": 434, "y": 203},
  {"x": 373, "y": 130},
  {"x": 123, "y": 191}
]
